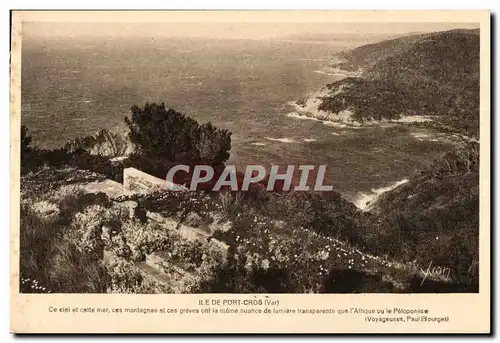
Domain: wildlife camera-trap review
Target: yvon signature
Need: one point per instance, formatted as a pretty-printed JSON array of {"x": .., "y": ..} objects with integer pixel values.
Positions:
[{"x": 435, "y": 270}]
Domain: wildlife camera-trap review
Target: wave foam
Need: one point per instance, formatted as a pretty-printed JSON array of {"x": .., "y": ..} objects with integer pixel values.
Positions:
[
  {"x": 301, "y": 116},
  {"x": 354, "y": 125},
  {"x": 331, "y": 71},
  {"x": 282, "y": 140},
  {"x": 365, "y": 201}
]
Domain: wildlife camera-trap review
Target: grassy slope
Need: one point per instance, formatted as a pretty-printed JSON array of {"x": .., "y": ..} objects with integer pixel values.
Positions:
[
  {"x": 268, "y": 252},
  {"x": 435, "y": 216}
]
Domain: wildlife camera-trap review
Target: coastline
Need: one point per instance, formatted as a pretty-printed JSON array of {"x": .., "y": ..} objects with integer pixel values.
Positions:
[
  {"x": 365, "y": 201},
  {"x": 307, "y": 108}
]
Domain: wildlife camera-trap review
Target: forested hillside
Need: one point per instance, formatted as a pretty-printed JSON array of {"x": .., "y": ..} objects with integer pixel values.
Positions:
[{"x": 432, "y": 74}]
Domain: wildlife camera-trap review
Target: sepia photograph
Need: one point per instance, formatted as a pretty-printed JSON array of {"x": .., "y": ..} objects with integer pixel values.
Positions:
[
  {"x": 250, "y": 172},
  {"x": 235, "y": 157},
  {"x": 246, "y": 157}
]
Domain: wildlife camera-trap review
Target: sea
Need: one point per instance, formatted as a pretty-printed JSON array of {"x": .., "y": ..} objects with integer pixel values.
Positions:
[{"x": 76, "y": 86}]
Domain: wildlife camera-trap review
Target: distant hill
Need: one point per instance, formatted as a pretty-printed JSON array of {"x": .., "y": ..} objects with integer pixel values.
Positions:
[
  {"x": 433, "y": 74},
  {"x": 368, "y": 54},
  {"x": 338, "y": 37}
]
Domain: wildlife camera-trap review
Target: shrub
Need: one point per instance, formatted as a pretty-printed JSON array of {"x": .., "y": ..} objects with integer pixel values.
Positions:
[
  {"x": 25, "y": 140},
  {"x": 26, "y": 150},
  {"x": 95, "y": 163},
  {"x": 327, "y": 214},
  {"x": 162, "y": 133},
  {"x": 240, "y": 275}
]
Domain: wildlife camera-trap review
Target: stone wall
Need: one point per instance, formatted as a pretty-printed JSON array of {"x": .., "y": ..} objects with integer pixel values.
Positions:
[
  {"x": 111, "y": 188},
  {"x": 137, "y": 181}
]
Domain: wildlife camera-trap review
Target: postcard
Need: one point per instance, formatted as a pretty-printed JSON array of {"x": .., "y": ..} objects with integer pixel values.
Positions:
[{"x": 250, "y": 172}]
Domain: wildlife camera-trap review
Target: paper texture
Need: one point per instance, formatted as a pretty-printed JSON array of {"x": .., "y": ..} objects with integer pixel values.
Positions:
[{"x": 276, "y": 172}]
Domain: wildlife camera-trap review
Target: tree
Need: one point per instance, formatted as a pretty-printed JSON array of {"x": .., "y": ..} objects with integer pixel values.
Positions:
[
  {"x": 165, "y": 134},
  {"x": 213, "y": 144}
]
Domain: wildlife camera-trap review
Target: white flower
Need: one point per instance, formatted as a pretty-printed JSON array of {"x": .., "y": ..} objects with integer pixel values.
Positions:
[{"x": 323, "y": 255}]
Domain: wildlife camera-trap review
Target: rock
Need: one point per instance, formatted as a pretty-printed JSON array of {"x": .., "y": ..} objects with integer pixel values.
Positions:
[
  {"x": 218, "y": 244},
  {"x": 193, "y": 220},
  {"x": 138, "y": 256},
  {"x": 137, "y": 181},
  {"x": 187, "y": 232},
  {"x": 106, "y": 234},
  {"x": 111, "y": 188}
]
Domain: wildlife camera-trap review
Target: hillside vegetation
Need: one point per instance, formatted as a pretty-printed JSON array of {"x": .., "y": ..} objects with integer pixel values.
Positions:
[
  {"x": 433, "y": 74},
  {"x": 78, "y": 240},
  {"x": 434, "y": 218}
]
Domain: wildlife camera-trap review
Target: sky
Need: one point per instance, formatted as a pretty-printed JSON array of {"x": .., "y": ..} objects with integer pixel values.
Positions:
[{"x": 229, "y": 30}]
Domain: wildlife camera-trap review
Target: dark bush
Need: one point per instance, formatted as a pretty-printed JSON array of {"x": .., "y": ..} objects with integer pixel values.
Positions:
[
  {"x": 165, "y": 134},
  {"x": 234, "y": 277},
  {"x": 25, "y": 140},
  {"x": 327, "y": 214}
]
